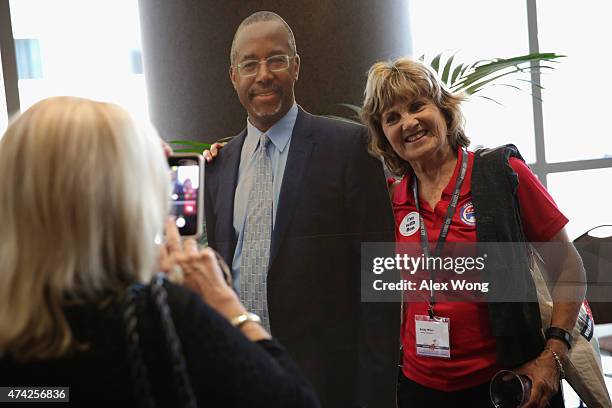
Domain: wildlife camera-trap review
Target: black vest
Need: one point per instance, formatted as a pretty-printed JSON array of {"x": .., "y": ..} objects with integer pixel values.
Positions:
[{"x": 517, "y": 326}]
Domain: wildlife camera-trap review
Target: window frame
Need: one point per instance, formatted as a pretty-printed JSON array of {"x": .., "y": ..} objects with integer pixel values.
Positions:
[{"x": 541, "y": 167}]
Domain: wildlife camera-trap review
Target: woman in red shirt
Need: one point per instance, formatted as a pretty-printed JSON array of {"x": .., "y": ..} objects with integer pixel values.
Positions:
[{"x": 416, "y": 126}]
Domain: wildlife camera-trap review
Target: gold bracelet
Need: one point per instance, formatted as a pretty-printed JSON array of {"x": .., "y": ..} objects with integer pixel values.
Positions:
[
  {"x": 557, "y": 363},
  {"x": 243, "y": 318}
]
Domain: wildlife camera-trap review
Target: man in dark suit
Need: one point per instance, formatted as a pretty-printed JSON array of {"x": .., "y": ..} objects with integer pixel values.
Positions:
[{"x": 326, "y": 196}]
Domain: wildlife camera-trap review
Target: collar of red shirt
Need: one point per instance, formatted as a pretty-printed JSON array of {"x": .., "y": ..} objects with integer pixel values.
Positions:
[{"x": 403, "y": 192}]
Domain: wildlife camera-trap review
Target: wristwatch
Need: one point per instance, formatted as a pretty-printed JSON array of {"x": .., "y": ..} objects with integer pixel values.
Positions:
[
  {"x": 239, "y": 320},
  {"x": 559, "y": 334}
]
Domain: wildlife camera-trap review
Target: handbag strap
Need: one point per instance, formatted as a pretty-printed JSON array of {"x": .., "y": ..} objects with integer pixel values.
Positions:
[
  {"x": 138, "y": 367},
  {"x": 179, "y": 366}
]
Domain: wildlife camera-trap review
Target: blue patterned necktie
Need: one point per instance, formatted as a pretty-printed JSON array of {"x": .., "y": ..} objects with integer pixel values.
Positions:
[{"x": 257, "y": 237}]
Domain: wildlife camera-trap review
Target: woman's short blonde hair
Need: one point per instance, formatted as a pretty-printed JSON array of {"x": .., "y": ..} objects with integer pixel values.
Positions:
[
  {"x": 83, "y": 197},
  {"x": 395, "y": 81}
]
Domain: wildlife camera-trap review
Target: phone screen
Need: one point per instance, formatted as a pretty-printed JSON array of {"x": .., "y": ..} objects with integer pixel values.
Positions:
[{"x": 185, "y": 193}]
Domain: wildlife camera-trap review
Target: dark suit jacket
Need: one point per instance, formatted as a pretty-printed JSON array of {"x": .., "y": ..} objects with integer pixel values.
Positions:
[{"x": 333, "y": 197}]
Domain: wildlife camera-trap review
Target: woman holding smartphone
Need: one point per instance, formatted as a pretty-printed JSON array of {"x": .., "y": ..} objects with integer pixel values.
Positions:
[{"x": 83, "y": 200}]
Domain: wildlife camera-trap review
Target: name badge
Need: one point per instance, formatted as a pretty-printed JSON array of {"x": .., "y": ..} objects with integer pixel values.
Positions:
[{"x": 432, "y": 336}]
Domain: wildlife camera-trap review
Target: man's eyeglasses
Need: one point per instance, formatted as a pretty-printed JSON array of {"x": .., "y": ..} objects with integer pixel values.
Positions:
[{"x": 274, "y": 63}]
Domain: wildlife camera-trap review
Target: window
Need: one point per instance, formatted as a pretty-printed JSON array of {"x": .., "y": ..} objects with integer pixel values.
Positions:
[
  {"x": 566, "y": 142},
  {"x": 82, "y": 48},
  {"x": 136, "y": 59},
  {"x": 456, "y": 29},
  {"x": 577, "y": 97},
  {"x": 583, "y": 196},
  {"x": 28, "y": 58}
]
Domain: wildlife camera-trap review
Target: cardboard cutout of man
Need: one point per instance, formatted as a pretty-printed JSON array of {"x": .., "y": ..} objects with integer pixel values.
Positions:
[{"x": 325, "y": 196}]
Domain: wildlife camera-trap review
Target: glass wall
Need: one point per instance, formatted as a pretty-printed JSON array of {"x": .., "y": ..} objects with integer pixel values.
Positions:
[
  {"x": 84, "y": 48},
  {"x": 577, "y": 98},
  {"x": 574, "y": 101},
  {"x": 500, "y": 32}
]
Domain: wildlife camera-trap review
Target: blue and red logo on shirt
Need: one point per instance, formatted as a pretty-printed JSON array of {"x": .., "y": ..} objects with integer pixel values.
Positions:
[{"x": 467, "y": 214}]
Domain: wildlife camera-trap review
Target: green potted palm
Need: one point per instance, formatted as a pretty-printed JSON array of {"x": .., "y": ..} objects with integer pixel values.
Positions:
[{"x": 472, "y": 78}]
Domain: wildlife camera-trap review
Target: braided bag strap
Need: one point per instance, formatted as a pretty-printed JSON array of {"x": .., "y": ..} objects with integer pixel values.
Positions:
[
  {"x": 138, "y": 368},
  {"x": 179, "y": 365}
]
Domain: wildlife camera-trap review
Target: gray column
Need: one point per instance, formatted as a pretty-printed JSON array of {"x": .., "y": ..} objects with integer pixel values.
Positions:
[
  {"x": 186, "y": 47},
  {"x": 9, "y": 61}
]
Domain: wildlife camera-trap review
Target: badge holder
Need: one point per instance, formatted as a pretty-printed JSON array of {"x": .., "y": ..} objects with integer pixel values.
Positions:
[{"x": 432, "y": 336}]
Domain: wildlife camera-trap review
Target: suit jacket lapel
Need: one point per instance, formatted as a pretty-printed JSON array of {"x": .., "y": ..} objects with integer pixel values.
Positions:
[
  {"x": 228, "y": 180},
  {"x": 299, "y": 154}
]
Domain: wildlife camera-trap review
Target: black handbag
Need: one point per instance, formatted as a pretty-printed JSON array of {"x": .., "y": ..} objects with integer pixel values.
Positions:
[{"x": 134, "y": 307}]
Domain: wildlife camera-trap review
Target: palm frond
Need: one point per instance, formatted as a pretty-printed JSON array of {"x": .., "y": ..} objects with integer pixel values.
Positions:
[
  {"x": 192, "y": 143},
  {"x": 482, "y": 71},
  {"x": 354, "y": 108},
  {"x": 188, "y": 150},
  {"x": 447, "y": 69},
  {"x": 530, "y": 82},
  {"x": 488, "y": 73},
  {"x": 473, "y": 77},
  {"x": 343, "y": 119},
  {"x": 456, "y": 72},
  {"x": 490, "y": 99},
  {"x": 518, "y": 88},
  {"x": 435, "y": 63}
]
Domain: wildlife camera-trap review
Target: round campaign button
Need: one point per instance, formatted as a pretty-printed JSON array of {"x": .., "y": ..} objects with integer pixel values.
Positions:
[{"x": 410, "y": 224}]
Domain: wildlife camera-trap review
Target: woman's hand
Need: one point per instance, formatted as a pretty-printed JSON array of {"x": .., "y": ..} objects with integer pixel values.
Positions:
[
  {"x": 544, "y": 376},
  {"x": 203, "y": 275},
  {"x": 199, "y": 270},
  {"x": 209, "y": 155}
]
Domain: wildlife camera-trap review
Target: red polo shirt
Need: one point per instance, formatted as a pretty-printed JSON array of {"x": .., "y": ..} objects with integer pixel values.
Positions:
[{"x": 473, "y": 348}]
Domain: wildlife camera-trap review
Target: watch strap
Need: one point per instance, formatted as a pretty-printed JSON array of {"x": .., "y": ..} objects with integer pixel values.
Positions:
[{"x": 560, "y": 334}]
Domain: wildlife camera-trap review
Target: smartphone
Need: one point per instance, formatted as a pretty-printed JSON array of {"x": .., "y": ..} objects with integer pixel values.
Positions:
[{"x": 187, "y": 192}]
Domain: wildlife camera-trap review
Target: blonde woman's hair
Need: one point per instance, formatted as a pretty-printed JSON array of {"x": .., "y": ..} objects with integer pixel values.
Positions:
[
  {"x": 390, "y": 82},
  {"x": 83, "y": 195}
]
